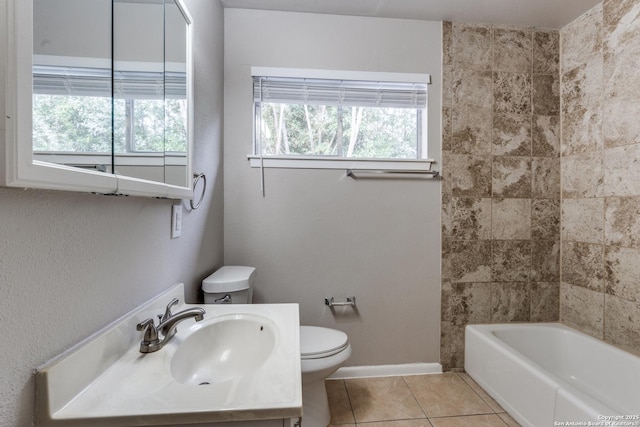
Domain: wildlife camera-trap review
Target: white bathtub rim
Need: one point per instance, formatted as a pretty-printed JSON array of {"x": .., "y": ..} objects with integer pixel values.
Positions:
[{"x": 490, "y": 327}]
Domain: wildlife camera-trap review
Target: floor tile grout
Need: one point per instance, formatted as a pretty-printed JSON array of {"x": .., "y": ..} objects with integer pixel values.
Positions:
[
  {"x": 424, "y": 411},
  {"x": 353, "y": 413},
  {"x": 478, "y": 394},
  {"x": 481, "y": 395}
]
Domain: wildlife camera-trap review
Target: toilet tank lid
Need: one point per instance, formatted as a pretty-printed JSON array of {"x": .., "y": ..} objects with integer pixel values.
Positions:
[{"x": 229, "y": 278}]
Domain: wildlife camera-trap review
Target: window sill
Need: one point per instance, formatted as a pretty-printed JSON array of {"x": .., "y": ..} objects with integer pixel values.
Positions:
[
  {"x": 122, "y": 159},
  {"x": 302, "y": 162}
]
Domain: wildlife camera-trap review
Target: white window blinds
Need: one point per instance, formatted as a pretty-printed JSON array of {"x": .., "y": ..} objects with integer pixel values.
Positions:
[
  {"x": 84, "y": 81},
  {"x": 357, "y": 93},
  {"x": 80, "y": 81}
]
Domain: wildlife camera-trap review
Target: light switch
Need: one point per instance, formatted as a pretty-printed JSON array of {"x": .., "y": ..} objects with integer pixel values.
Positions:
[{"x": 176, "y": 221}]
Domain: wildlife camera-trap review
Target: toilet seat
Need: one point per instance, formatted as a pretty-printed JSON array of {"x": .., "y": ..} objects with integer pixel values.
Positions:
[{"x": 317, "y": 342}]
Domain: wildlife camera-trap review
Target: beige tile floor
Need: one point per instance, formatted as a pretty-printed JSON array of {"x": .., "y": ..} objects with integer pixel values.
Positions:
[{"x": 437, "y": 400}]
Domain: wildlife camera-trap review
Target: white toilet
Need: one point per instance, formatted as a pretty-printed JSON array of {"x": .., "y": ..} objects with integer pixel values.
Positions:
[{"x": 322, "y": 350}]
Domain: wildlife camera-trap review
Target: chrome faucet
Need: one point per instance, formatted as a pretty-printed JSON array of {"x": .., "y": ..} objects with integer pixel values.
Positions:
[{"x": 166, "y": 326}]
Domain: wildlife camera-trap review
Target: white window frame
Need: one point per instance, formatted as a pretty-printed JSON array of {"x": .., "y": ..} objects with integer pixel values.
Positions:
[{"x": 420, "y": 164}]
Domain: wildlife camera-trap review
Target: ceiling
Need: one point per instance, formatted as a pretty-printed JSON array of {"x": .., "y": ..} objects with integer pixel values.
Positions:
[{"x": 535, "y": 13}]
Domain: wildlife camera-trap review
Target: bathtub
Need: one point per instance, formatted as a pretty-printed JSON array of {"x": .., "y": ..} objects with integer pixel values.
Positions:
[{"x": 547, "y": 374}]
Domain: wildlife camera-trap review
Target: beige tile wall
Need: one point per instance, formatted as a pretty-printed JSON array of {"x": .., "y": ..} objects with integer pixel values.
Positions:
[
  {"x": 501, "y": 179},
  {"x": 600, "y": 81}
]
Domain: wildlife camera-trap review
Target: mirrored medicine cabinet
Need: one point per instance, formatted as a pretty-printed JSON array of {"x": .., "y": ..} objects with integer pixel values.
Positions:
[{"x": 99, "y": 96}]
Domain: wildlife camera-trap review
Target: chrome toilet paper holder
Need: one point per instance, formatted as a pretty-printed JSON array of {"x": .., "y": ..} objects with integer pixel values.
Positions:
[{"x": 329, "y": 301}]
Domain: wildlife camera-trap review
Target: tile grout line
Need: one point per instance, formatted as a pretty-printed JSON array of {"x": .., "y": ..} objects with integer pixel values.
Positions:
[
  {"x": 353, "y": 413},
  {"x": 424, "y": 411},
  {"x": 427, "y": 418},
  {"x": 480, "y": 396},
  {"x": 477, "y": 394}
]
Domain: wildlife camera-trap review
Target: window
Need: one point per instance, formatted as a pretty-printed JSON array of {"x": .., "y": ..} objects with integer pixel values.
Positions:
[
  {"x": 330, "y": 115},
  {"x": 73, "y": 110}
]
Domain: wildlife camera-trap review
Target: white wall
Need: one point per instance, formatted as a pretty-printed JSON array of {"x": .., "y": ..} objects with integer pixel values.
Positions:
[
  {"x": 70, "y": 263},
  {"x": 318, "y": 233}
]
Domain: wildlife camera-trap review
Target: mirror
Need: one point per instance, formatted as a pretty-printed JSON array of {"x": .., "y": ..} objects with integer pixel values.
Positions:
[
  {"x": 111, "y": 97},
  {"x": 72, "y": 83},
  {"x": 176, "y": 107}
]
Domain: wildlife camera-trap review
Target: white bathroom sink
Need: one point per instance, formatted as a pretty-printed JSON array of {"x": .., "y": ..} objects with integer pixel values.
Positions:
[
  {"x": 222, "y": 348},
  {"x": 248, "y": 354}
]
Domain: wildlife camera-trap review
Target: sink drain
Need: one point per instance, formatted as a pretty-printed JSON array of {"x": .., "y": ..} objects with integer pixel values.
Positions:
[{"x": 204, "y": 383}]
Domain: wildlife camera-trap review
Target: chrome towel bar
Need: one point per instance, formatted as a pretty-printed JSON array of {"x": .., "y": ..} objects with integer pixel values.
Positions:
[
  {"x": 391, "y": 174},
  {"x": 331, "y": 303}
]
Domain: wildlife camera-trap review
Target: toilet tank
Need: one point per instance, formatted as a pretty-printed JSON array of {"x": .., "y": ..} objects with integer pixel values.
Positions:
[{"x": 231, "y": 284}]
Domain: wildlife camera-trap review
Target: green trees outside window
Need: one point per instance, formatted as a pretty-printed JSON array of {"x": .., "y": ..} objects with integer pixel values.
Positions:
[
  {"x": 343, "y": 131},
  {"x": 63, "y": 123}
]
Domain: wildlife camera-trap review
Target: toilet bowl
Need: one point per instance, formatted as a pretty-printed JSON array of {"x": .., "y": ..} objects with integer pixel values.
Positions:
[{"x": 322, "y": 350}]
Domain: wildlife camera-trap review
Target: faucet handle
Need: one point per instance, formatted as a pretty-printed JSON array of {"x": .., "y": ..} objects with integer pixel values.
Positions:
[
  {"x": 150, "y": 342},
  {"x": 167, "y": 312},
  {"x": 149, "y": 328}
]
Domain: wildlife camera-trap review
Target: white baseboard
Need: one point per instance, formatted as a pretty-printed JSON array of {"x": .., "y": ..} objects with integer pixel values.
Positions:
[{"x": 347, "y": 372}]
